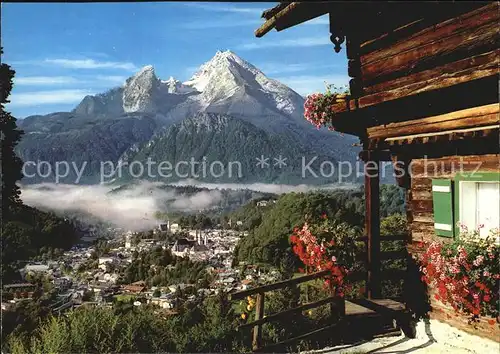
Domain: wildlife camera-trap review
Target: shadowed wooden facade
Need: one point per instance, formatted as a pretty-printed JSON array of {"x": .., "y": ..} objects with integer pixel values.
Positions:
[{"x": 424, "y": 93}]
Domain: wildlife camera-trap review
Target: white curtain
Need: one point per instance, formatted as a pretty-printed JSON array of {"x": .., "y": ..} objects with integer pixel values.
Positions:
[{"x": 488, "y": 202}]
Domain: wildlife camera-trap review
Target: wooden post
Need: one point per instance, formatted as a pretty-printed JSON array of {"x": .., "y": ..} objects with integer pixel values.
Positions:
[
  {"x": 259, "y": 314},
  {"x": 341, "y": 306},
  {"x": 337, "y": 308},
  {"x": 372, "y": 224},
  {"x": 401, "y": 171},
  {"x": 354, "y": 66}
]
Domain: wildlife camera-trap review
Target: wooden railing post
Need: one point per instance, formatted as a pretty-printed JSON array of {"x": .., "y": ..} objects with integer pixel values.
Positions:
[
  {"x": 337, "y": 307},
  {"x": 372, "y": 224},
  {"x": 341, "y": 306},
  {"x": 259, "y": 314}
]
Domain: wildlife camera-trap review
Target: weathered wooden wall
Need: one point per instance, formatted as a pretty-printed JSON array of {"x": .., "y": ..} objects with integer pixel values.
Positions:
[
  {"x": 434, "y": 74},
  {"x": 408, "y": 73},
  {"x": 456, "y": 46},
  {"x": 481, "y": 116},
  {"x": 421, "y": 221}
]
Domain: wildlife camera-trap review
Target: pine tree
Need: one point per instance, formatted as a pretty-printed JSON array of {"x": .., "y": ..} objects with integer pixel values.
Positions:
[{"x": 11, "y": 166}]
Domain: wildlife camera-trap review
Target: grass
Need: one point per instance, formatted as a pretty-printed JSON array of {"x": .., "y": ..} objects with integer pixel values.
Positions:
[{"x": 124, "y": 298}]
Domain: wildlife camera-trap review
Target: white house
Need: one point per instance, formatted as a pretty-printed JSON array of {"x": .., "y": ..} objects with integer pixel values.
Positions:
[
  {"x": 36, "y": 268},
  {"x": 104, "y": 260},
  {"x": 175, "y": 227}
]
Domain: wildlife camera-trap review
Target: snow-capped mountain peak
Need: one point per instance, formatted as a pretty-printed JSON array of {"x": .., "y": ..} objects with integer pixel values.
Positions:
[
  {"x": 227, "y": 75},
  {"x": 218, "y": 66},
  {"x": 226, "y": 84},
  {"x": 139, "y": 89}
]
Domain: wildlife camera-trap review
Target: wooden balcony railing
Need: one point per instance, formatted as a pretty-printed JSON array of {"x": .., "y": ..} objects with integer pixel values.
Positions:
[{"x": 337, "y": 306}]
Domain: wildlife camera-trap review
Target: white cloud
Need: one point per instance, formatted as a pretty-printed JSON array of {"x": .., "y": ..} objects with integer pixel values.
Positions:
[
  {"x": 99, "y": 80},
  {"x": 298, "y": 42},
  {"x": 264, "y": 187},
  {"x": 305, "y": 85},
  {"x": 221, "y": 23},
  {"x": 271, "y": 68},
  {"x": 45, "y": 80},
  {"x": 48, "y": 97},
  {"x": 90, "y": 64},
  {"x": 134, "y": 208},
  {"x": 240, "y": 16},
  {"x": 111, "y": 79},
  {"x": 226, "y": 7}
]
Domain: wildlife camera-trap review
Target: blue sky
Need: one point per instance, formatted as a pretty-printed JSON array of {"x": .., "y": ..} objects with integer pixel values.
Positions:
[{"x": 62, "y": 52}]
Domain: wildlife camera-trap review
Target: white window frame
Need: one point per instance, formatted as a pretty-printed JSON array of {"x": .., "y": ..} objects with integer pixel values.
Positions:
[{"x": 462, "y": 205}]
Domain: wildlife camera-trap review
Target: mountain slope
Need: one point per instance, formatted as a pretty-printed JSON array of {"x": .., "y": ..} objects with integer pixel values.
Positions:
[
  {"x": 230, "y": 148},
  {"x": 88, "y": 144}
]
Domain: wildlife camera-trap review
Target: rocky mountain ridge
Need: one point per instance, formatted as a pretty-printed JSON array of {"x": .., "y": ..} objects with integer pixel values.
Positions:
[{"x": 146, "y": 107}]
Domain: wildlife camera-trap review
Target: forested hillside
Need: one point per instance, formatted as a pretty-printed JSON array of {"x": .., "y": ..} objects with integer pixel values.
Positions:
[{"x": 271, "y": 226}]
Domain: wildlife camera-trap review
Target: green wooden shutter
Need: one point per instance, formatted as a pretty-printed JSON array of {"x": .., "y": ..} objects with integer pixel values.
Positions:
[{"x": 442, "y": 202}]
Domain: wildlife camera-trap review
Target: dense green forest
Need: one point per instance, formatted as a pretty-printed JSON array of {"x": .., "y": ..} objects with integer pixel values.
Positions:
[
  {"x": 160, "y": 267},
  {"x": 26, "y": 232},
  {"x": 271, "y": 226},
  {"x": 205, "y": 327},
  {"x": 30, "y": 233}
]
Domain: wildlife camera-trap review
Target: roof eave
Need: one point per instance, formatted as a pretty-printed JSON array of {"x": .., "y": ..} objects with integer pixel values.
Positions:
[{"x": 291, "y": 15}]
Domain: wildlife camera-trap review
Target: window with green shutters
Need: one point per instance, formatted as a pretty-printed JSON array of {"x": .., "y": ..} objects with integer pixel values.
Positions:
[{"x": 442, "y": 202}]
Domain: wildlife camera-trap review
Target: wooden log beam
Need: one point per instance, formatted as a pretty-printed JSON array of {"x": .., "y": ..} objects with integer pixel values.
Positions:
[
  {"x": 465, "y": 32},
  {"x": 439, "y": 31},
  {"x": 438, "y": 54},
  {"x": 302, "y": 13},
  {"x": 470, "y": 117},
  {"x": 450, "y": 134},
  {"x": 421, "y": 16},
  {"x": 356, "y": 114},
  {"x": 293, "y": 14},
  {"x": 435, "y": 79},
  {"x": 267, "y": 14},
  {"x": 422, "y": 169},
  {"x": 454, "y": 85},
  {"x": 473, "y": 67},
  {"x": 271, "y": 22}
]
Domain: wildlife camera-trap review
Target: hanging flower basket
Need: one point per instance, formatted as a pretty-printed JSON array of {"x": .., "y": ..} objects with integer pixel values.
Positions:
[
  {"x": 319, "y": 108},
  {"x": 465, "y": 273}
]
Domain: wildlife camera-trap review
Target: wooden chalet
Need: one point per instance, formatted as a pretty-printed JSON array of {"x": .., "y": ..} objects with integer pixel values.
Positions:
[{"x": 424, "y": 93}]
